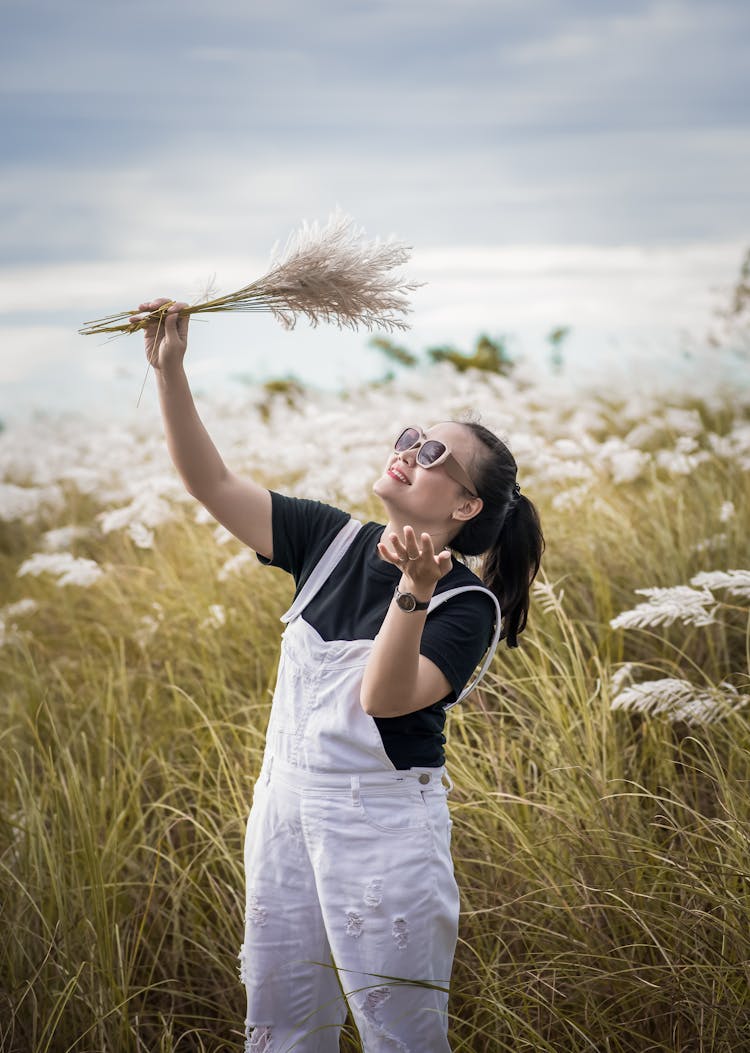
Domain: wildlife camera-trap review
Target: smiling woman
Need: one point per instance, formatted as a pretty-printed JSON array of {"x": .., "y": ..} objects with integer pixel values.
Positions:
[{"x": 347, "y": 848}]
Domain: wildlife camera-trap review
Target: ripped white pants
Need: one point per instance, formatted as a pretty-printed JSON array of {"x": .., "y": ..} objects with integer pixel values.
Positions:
[{"x": 351, "y": 902}]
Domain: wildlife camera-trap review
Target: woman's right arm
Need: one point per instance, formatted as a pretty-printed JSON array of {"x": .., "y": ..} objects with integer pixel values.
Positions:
[{"x": 239, "y": 504}]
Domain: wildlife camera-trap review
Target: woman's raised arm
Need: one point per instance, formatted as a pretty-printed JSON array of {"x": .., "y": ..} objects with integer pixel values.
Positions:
[{"x": 239, "y": 504}]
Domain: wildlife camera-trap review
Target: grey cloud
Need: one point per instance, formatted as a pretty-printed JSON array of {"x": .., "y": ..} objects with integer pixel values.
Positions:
[
  {"x": 475, "y": 122},
  {"x": 210, "y": 203}
]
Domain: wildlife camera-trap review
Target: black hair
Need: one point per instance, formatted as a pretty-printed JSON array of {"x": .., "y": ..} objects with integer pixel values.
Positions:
[{"x": 507, "y": 532}]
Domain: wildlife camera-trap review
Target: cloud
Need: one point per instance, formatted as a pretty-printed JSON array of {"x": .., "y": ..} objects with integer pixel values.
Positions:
[
  {"x": 395, "y": 62},
  {"x": 572, "y": 188},
  {"x": 29, "y": 349},
  {"x": 499, "y": 122}
]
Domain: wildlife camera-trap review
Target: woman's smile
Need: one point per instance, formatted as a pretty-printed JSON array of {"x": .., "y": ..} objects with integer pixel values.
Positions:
[{"x": 396, "y": 473}]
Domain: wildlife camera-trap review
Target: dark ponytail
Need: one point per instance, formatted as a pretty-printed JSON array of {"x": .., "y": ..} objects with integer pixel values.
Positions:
[{"x": 507, "y": 532}]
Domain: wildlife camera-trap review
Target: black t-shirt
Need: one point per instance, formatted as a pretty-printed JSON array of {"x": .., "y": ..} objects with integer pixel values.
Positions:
[{"x": 353, "y": 602}]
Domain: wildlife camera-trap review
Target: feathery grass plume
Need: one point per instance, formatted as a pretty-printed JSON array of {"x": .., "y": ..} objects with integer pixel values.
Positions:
[
  {"x": 678, "y": 699},
  {"x": 8, "y": 628},
  {"x": 665, "y": 606},
  {"x": 329, "y": 274},
  {"x": 20, "y": 607},
  {"x": 622, "y": 676},
  {"x": 727, "y": 511},
  {"x": 62, "y": 538},
  {"x": 26, "y": 502},
  {"x": 715, "y": 541},
  {"x": 549, "y": 600},
  {"x": 70, "y": 570},
  {"x": 736, "y": 582}
]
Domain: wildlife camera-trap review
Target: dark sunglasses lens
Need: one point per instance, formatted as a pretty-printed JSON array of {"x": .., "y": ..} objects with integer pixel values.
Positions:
[
  {"x": 430, "y": 451},
  {"x": 406, "y": 440}
]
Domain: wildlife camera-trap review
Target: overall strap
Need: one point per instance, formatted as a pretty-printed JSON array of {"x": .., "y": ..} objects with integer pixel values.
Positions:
[
  {"x": 323, "y": 568},
  {"x": 441, "y": 598}
]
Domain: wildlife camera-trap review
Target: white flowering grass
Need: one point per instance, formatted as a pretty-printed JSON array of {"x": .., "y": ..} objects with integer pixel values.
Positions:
[
  {"x": 680, "y": 700},
  {"x": 217, "y": 617},
  {"x": 65, "y": 568},
  {"x": 601, "y": 852},
  {"x": 10, "y": 614},
  {"x": 736, "y": 582},
  {"x": 668, "y": 605},
  {"x": 675, "y": 698},
  {"x": 726, "y": 512},
  {"x": 61, "y": 538},
  {"x": 26, "y": 502}
]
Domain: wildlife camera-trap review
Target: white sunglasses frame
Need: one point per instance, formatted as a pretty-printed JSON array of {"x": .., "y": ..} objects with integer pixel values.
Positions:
[{"x": 452, "y": 465}]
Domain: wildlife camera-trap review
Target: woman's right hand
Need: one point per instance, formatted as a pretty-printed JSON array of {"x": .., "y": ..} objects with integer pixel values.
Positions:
[{"x": 165, "y": 338}]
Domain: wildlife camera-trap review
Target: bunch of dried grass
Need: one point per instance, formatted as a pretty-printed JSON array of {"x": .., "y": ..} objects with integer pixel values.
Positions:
[{"x": 329, "y": 275}]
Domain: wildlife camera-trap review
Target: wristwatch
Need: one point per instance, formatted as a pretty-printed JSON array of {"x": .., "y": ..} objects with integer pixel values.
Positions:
[{"x": 407, "y": 601}]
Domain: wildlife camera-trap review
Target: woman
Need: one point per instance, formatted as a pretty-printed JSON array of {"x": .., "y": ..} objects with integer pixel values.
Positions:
[{"x": 351, "y": 896}]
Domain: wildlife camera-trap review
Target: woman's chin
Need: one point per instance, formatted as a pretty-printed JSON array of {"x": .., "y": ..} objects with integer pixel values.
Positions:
[
  {"x": 381, "y": 486},
  {"x": 384, "y": 488}
]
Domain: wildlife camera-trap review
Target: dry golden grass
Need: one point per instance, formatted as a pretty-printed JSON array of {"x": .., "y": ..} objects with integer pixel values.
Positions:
[{"x": 603, "y": 856}]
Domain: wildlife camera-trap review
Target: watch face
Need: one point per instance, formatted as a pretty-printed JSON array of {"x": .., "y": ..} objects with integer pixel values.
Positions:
[{"x": 406, "y": 601}]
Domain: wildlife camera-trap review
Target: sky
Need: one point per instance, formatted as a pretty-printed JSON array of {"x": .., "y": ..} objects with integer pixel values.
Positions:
[{"x": 551, "y": 163}]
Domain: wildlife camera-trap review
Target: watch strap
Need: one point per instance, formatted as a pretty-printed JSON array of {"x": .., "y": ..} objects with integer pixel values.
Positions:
[{"x": 407, "y": 601}]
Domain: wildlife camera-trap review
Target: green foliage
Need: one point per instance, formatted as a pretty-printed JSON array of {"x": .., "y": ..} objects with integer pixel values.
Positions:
[
  {"x": 740, "y": 303},
  {"x": 394, "y": 351},
  {"x": 289, "y": 389},
  {"x": 556, "y": 338},
  {"x": 489, "y": 355}
]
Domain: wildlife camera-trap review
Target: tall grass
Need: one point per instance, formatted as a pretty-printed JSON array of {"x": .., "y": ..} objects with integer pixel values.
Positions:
[{"x": 602, "y": 855}]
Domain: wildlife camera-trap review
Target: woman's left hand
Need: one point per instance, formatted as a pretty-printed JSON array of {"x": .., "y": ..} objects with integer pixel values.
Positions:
[{"x": 421, "y": 569}]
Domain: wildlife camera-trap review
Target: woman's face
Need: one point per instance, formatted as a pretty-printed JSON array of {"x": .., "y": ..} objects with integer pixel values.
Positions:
[{"x": 428, "y": 495}]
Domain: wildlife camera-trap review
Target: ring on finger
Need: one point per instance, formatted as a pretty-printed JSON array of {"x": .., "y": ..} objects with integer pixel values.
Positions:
[{"x": 410, "y": 558}]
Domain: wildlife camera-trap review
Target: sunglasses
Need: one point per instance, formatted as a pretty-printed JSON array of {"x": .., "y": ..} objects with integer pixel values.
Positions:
[{"x": 431, "y": 452}]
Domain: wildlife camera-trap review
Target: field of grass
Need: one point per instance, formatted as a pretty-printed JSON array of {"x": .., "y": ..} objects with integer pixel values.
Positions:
[{"x": 601, "y": 831}]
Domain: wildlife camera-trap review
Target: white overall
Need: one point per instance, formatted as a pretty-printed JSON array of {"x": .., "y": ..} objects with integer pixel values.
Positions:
[{"x": 347, "y": 861}]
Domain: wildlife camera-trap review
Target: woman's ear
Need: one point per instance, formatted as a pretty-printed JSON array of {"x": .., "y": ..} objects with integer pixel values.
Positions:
[{"x": 471, "y": 507}]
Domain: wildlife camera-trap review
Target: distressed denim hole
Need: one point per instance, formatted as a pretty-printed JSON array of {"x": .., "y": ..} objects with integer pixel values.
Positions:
[
  {"x": 400, "y": 932},
  {"x": 370, "y": 1004},
  {"x": 255, "y": 913},
  {"x": 373, "y": 896},
  {"x": 353, "y": 923},
  {"x": 258, "y": 1040}
]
